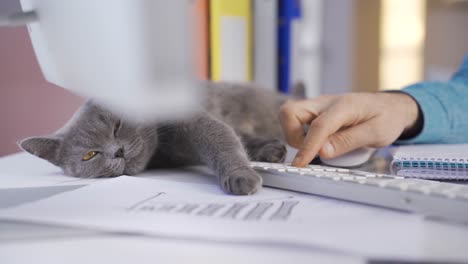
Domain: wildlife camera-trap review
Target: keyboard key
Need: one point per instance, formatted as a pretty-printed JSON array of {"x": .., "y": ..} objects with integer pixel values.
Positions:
[
  {"x": 396, "y": 184},
  {"x": 364, "y": 173},
  {"x": 416, "y": 185},
  {"x": 330, "y": 176},
  {"x": 419, "y": 188},
  {"x": 315, "y": 174},
  {"x": 354, "y": 179},
  {"x": 375, "y": 182},
  {"x": 386, "y": 176},
  {"x": 318, "y": 169},
  {"x": 447, "y": 190}
]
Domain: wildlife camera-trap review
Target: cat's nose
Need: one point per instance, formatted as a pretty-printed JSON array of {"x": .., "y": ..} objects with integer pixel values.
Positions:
[{"x": 119, "y": 153}]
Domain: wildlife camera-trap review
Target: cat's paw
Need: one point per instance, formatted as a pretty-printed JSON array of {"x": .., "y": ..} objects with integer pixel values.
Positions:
[
  {"x": 241, "y": 182},
  {"x": 272, "y": 151}
]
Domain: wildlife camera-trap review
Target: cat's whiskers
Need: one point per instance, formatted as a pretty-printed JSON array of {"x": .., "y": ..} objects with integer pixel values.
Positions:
[
  {"x": 162, "y": 133},
  {"x": 112, "y": 168},
  {"x": 134, "y": 146},
  {"x": 149, "y": 132},
  {"x": 164, "y": 130},
  {"x": 105, "y": 173}
]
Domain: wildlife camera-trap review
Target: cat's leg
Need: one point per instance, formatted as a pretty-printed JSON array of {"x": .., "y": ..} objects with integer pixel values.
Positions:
[
  {"x": 266, "y": 150},
  {"x": 217, "y": 145}
]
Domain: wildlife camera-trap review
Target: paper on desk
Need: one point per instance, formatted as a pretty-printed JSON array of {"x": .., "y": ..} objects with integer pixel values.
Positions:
[
  {"x": 23, "y": 170},
  {"x": 188, "y": 210},
  {"x": 8, "y": 181},
  {"x": 125, "y": 249}
]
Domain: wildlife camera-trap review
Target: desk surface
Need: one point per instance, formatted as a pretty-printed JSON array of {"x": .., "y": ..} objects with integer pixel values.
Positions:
[{"x": 53, "y": 243}]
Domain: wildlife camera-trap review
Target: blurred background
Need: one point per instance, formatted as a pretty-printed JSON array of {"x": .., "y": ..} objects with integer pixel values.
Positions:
[{"x": 346, "y": 46}]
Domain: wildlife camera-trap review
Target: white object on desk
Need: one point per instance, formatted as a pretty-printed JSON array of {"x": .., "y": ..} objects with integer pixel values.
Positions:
[
  {"x": 444, "y": 201},
  {"x": 156, "y": 207},
  {"x": 119, "y": 52},
  {"x": 351, "y": 159},
  {"x": 22, "y": 170},
  {"x": 141, "y": 250}
]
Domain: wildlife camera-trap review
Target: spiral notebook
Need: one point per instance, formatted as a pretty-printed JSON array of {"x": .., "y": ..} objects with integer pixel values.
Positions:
[{"x": 441, "y": 162}]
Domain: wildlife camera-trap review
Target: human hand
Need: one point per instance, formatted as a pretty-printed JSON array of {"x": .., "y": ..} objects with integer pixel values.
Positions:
[{"x": 341, "y": 123}]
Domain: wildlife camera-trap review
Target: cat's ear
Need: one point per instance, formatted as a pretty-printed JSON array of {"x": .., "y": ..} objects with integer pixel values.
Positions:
[{"x": 44, "y": 147}]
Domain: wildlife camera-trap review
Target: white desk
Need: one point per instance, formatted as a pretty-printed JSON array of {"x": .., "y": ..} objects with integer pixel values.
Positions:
[{"x": 53, "y": 244}]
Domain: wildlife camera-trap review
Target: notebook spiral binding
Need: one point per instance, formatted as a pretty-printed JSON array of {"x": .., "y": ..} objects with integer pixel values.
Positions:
[{"x": 431, "y": 163}]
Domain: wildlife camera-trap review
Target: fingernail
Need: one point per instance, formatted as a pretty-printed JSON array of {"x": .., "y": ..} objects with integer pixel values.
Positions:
[
  {"x": 328, "y": 149},
  {"x": 297, "y": 160}
]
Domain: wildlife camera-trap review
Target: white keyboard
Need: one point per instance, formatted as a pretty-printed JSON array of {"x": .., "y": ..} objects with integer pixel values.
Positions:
[{"x": 446, "y": 201}]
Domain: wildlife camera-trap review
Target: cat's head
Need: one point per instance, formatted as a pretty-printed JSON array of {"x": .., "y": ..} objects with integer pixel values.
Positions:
[{"x": 96, "y": 143}]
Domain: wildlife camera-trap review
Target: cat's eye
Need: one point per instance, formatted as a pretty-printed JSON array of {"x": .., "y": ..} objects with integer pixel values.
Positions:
[
  {"x": 90, "y": 155},
  {"x": 117, "y": 127}
]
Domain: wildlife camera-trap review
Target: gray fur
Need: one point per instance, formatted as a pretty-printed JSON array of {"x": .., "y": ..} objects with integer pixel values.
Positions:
[{"x": 239, "y": 122}]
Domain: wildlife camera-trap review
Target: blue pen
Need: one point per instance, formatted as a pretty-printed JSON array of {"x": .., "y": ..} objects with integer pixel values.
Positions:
[{"x": 288, "y": 10}]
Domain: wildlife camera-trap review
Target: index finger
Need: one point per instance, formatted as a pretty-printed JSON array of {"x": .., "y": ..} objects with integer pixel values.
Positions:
[
  {"x": 292, "y": 118},
  {"x": 294, "y": 115},
  {"x": 320, "y": 129}
]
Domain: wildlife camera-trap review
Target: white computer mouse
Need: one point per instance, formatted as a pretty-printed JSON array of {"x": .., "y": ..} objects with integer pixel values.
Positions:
[{"x": 351, "y": 159}]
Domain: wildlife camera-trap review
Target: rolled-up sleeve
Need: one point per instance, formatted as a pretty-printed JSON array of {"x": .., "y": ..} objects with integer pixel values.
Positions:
[{"x": 444, "y": 108}]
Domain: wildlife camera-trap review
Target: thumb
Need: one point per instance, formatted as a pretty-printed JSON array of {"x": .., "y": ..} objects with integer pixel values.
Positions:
[{"x": 347, "y": 140}]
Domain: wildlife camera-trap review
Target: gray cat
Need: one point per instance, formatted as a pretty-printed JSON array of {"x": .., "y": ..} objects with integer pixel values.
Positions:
[{"x": 238, "y": 122}]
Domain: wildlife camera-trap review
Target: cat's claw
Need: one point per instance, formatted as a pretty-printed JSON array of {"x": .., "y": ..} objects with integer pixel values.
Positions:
[{"x": 242, "y": 182}]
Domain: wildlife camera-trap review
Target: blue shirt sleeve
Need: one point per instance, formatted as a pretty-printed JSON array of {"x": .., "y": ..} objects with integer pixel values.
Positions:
[{"x": 444, "y": 107}]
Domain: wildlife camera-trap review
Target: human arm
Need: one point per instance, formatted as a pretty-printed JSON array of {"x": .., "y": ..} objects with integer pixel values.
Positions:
[
  {"x": 427, "y": 112},
  {"x": 341, "y": 123},
  {"x": 444, "y": 109}
]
